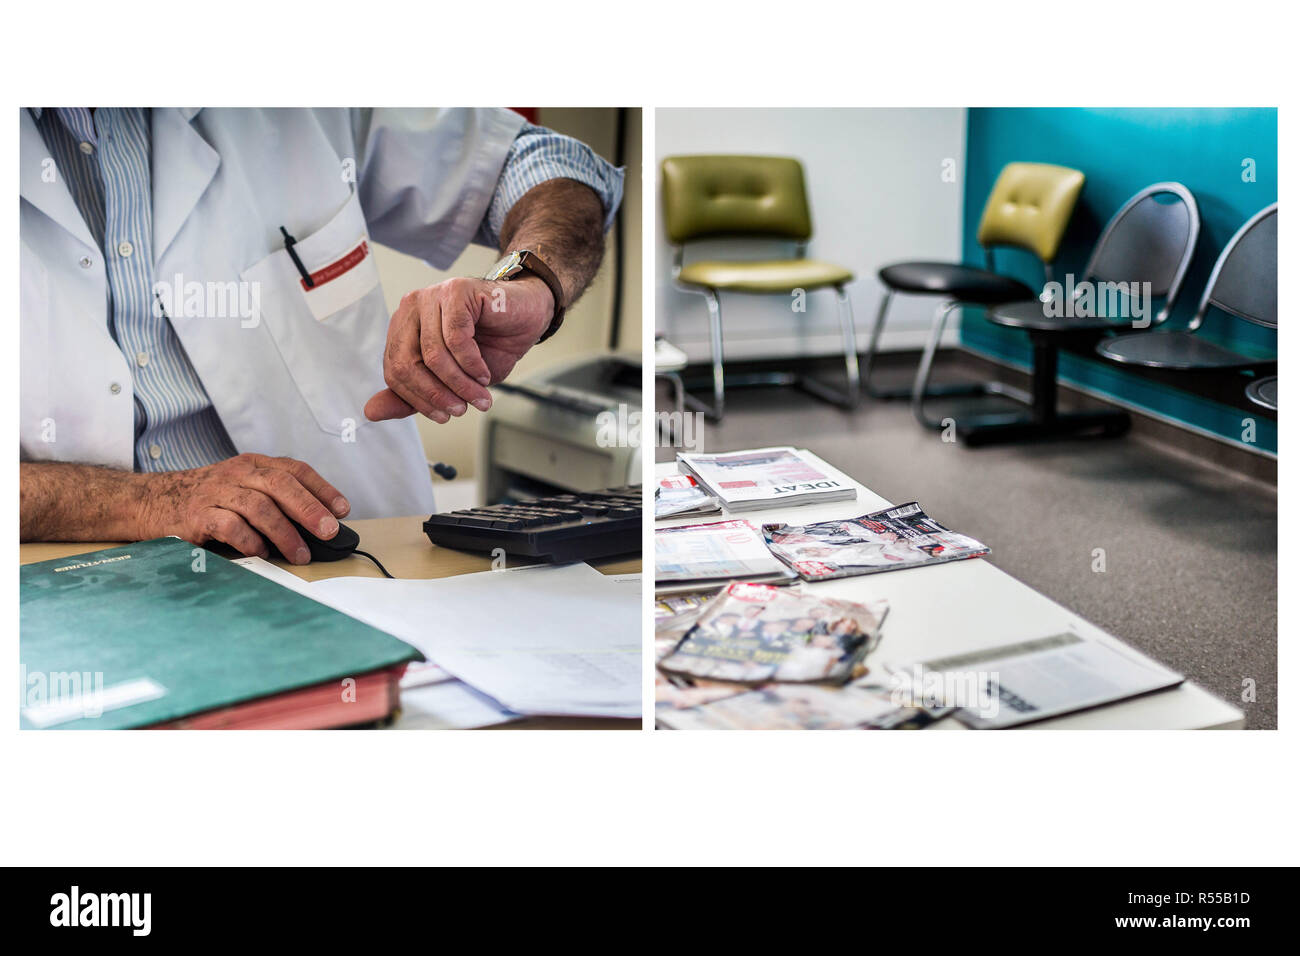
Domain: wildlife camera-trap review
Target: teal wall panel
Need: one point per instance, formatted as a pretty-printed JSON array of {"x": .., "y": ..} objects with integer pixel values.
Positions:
[{"x": 1120, "y": 151}]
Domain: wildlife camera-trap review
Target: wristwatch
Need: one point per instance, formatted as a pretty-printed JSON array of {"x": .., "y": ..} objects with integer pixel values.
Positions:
[{"x": 513, "y": 263}]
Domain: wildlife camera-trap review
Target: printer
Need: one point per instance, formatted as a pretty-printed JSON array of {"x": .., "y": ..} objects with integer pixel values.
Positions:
[{"x": 564, "y": 429}]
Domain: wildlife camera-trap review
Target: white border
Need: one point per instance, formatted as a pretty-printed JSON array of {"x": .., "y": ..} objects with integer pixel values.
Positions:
[{"x": 610, "y": 798}]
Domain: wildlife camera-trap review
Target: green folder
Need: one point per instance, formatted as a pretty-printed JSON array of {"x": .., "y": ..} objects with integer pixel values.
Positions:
[{"x": 156, "y": 631}]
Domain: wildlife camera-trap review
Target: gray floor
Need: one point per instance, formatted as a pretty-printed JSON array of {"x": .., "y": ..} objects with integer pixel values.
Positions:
[{"x": 1191, "y": 550}]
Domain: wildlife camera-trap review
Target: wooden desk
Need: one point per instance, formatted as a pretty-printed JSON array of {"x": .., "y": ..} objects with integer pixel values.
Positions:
[{"x": 400, "y": 544}]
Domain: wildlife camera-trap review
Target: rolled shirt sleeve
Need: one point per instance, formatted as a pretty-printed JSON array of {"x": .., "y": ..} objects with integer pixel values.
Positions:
[
  {"x": 538, "y": 154},
  {"x": 426, "y": 178}
]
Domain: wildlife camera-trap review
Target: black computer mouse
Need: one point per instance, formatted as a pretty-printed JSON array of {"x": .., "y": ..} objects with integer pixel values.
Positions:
[{"x": 335, "y": 549}]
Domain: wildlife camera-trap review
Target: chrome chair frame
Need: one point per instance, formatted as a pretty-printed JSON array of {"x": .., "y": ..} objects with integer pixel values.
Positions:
[
  {"x": 921, "y": 389},
  {"x": 1207, "y": 297},
  {"x": 957, "y": 390},
  {"x": 1207, "y": 301},
  {"x": 1255, "y": 392},
  {"x": 847, "y": 399},
  {"x": 1180, "y": 273}
]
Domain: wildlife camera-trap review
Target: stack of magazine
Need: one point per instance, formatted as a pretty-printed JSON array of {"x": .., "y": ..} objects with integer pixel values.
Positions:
[
  {"x": 763, "y": 477},
  {"x": 754, "y": 634},
  {"x": 900, "y": 537},
  {"x": 680, "y": 495},
  {"x": 675, "y": 614},
  {"x": 699, "y": 557}
]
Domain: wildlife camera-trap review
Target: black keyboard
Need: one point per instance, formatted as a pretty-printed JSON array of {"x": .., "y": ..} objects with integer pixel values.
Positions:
[{"x": 580, "y": 526}]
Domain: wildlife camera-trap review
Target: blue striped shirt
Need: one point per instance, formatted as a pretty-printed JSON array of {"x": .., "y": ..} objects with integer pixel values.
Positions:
[
  {"x": 539, "y": 154},
  {"x": 104, "y": 157}
]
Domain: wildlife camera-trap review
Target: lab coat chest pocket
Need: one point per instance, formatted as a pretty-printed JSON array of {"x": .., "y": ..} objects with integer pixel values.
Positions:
[{"x": 330, "y": 336}]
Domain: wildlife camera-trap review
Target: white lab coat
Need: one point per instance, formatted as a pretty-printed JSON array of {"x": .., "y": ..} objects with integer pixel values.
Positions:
[{"x": 292, "y": 378}]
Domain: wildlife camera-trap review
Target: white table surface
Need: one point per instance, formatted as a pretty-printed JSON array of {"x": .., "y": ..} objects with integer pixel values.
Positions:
[{"x": 966, "y": 605}]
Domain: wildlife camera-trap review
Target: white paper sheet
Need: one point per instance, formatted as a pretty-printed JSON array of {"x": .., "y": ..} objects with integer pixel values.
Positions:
[
  {"x": 539, "y": 640},
  {"x": 449, "y": 705},
  {"x": 419, "y": 673}
]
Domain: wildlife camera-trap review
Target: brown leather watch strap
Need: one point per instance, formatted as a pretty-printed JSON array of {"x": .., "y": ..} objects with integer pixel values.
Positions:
[{"x": 532, "y": 262}]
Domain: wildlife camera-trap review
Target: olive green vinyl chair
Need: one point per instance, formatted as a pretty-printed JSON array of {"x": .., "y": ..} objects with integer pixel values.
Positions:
[{"x": 710, "y": 197}]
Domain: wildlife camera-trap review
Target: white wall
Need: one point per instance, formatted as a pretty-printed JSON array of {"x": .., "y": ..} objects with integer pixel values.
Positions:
[{"x": 877, "y": 194}]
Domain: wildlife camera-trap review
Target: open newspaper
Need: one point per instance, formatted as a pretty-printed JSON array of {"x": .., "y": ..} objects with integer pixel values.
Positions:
[
  {"x": 679, "y": 495},
  {"x": 763, "y": 477},
  {"x": 900, "y": 537},
  {"x": 753, "y": 634},
  {"x": 696, "y": 557},
  {"x": 1013, "y": 684}
]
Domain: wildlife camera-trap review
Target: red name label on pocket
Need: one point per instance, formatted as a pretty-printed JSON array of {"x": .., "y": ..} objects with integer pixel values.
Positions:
[{"x": 338, "y": 267}]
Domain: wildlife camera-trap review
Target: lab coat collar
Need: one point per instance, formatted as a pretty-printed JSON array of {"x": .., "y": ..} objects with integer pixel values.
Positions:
[
  {"x": 51, "y": 197},
  {"x": 183, "y": 166}
]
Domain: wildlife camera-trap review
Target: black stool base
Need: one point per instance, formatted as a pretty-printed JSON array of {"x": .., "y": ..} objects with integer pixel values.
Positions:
[
  {"x": 976, "y": 433},
  {"x": 955, "y": 390},
  {"x": 1043, "y": 422}
]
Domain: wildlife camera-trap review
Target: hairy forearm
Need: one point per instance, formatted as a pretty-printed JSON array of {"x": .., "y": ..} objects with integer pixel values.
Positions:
[
  {"x": 562, "y": 221},
  {"x": 67, "y": 502}
]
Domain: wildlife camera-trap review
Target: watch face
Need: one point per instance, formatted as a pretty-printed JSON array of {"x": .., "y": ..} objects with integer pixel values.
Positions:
[{"x": 505, "y": 267}]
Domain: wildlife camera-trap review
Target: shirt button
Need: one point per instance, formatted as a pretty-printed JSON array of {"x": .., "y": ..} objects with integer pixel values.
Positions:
[
  {"x": 155, "y": 451},
  {"x": 85, "y": 262},
  {"x": 142, "y": 359},
  {"x": 115, "y": 388},
  {"x": 124, "y": 249},
  {"x": 87, "y": 148}
]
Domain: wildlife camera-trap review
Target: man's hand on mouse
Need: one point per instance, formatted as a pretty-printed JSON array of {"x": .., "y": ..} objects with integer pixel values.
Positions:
[
  {"x": 448, "y": 342},
  {"x": 239, "y": 500}
]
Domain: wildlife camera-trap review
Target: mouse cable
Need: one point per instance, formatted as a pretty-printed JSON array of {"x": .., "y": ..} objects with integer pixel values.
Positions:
[{"x": 382, "y": 570}]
